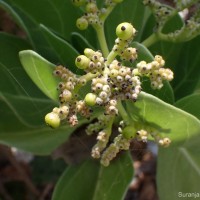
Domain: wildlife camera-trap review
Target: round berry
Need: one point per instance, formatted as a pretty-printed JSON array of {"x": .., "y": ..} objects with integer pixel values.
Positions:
[
  {"x": 89, "y": 52},
  {"x": 82, "y": 23},
  {"x": 117, "y": 1},
  {"x": 129, "y": 132},
  {"x": 90, "y": 99},
  {"x": 78, "y": 2},
  {"x": 52, "y": 119},
  {"x": 125, "y": 31},
  {"x": 82, "y": 62},
  {"x": 91, "y": 8}
]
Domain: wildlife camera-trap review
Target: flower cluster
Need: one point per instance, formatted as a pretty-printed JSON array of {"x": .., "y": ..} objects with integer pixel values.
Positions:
[
  {"x": 120, "y": 143},
  {"x": 155, "y": 71},
  {"x": 93, "y": 15},
  {"x": 70, "y": 106},
  {"x": 111, "y": 83},
  {"x": 163, "y": 13}
]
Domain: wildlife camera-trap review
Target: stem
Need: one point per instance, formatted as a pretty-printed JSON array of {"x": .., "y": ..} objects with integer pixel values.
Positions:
[
  {"x": 111, "y": 57},
  {"x": 87, "y": 77},
  {"x": 123, "y": 112},
  {"x": 104, "y": 16},
  {"x": 153, "y": 38},
  {"x": 110, "y": 123},
  {"x": 7, "y": 152},
  {"x": 102, "y": 39}
]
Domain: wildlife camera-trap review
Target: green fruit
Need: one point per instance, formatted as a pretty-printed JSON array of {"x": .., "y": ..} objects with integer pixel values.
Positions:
[
  {"x": 90, "y": 99},
  {"x": 91, "y": 8},
  {"x": 82, "y": 62},
  {"x": 78, "y": 2},
  {"x": 117, "y": 1},
  {"x": 52, "y": 119},
  {"x": 125, "y": 31},
  {"x": 82, "y": 23},
  {"x": 129, "y": 132},
  {"x": 89, "y": 52}
]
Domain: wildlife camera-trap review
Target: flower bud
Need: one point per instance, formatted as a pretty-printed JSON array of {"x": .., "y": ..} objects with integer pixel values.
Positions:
[
  {"x": 78, "y": 2},
  {"x": 52, "y": 119},
  {"x": 129, "y": 132},
  {"x": 82, "y": 62},
  {"x": 89, "y": 52},
  {"x": 117, "y": 1},
  {"x": 91, "y": 8},
  {"x": 125, "y": 31},
  {"x": 90, "y": 99},
  {"x": 82, "y": 23}
]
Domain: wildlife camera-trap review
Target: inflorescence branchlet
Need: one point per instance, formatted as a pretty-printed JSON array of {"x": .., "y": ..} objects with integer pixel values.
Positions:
[
  {"x": 163, "y": 13},
  {"x": 111, "y": 83},
  {"x": 92, "y": 14}
]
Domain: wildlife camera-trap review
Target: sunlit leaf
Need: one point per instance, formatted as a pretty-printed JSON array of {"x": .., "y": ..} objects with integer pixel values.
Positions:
[
  {"x": 41, "y": 72},
  {"x": 190, "y": 104},
  {"x": 182, "y": 156},
  {"x": 169, "y": 120}
]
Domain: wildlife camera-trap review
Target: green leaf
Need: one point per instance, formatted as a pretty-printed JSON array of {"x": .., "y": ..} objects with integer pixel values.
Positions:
[
  {"x": 23, "y": 106},
  {"x": 64, "y": 51},
  {"x": 59, "y": 15},
  {"x": 107, "y": 183},
  {"x": 41, "y": 72},
  {"x": 80, "y": 43},
  {"x": 181, "y": 168},
  {"x": 165, "y": 93},
  {"x": 143, "y": 52},
  {"x": 190, "y": 104},
  {"x": 13, "y": 78},
  {"x": 169, "y": 120},
  {"x": 184, "y": 60},
  {"x": 39, "y": 141},
  {"x": 182, "y": 156},
  {"x": 29, "y": 111}
]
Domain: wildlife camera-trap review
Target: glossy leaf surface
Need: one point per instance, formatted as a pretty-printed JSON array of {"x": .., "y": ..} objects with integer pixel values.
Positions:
[
  {"x": 190, "y": 104},
  {"x": 64, "y": 51},
  {"x": 41, "y": 72},
  {"x": 108, "y": 183},
  {"x": 22, "y": 105},
  {"x": 179, "y": 164}
]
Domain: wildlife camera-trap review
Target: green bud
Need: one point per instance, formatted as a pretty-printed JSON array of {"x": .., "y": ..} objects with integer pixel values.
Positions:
[
  {"x": 82, "y": 62},
  {"x": 90, "y": 99},
  {"x": 129, "y": 132},
  {"x": 117, "y": 1},
  {"x": 125, "y": 31},
  {"x": 91, "y": 8},
  {"x": 78, "y": 2},
  {"x": 82, "y": 23},
  {"x": 52, "y": 119},
  {"x": 89, "y": 52}
]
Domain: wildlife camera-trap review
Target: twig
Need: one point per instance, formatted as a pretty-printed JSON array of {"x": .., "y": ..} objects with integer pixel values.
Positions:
[
  {"x": 7, "y": 152},
  {"x": 4, "y": 193},
  {"x": 46, "y": 191}
]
